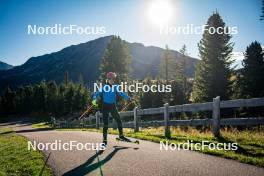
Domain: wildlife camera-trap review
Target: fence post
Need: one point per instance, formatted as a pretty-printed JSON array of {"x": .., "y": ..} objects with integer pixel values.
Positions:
[
  {"x": 216, "y": 116},
  {"x": 136, "y": 124},
  {"x": 89, "y": 120},
  {"x": 81, "y": 123},
  {"x": 166, "y": 120},
  {"x": 97, "y": 120}
]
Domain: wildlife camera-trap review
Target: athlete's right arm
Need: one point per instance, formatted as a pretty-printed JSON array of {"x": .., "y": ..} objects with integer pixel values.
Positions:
[{"x": 97, "y": 94}]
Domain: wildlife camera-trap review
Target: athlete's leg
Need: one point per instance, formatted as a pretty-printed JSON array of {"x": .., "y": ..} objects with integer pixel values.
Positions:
[
  {"x": 105, "y": 120},
  {"x": 116, "y": 116}
]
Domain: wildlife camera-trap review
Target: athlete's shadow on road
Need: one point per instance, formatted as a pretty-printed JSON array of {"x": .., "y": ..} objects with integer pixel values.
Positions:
[{"x": 88, "y": 167}]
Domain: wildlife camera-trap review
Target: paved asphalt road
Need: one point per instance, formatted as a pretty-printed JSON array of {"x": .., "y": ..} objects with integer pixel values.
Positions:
[{"x": 124, "y": 159}]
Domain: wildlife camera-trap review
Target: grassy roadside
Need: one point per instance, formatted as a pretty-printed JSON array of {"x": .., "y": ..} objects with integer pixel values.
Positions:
[
  {"x": 250, "y": 143},
  {"x": 16, "y": 159}
]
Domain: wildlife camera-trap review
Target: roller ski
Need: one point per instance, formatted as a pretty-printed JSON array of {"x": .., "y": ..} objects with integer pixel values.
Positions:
[
  {"x": 124, "y": 139},
  {"x": 102, "y": 148}
]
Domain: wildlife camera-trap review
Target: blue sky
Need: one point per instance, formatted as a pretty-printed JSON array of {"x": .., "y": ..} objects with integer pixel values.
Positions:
[{"x": 126, "y": 18}]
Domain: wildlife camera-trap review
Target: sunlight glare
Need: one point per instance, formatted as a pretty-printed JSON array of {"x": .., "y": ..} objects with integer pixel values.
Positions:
[{"x": 160, "y": 12}]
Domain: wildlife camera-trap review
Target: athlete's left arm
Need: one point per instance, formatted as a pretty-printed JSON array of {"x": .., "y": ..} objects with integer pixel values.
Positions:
[{"x": 123, "y": 95}]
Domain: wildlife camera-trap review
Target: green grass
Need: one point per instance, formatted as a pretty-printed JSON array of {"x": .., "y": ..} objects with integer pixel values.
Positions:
[
  {"x": 41, "y": 125},
  {"x": 16, "y": 159},
  {"x": 250, "y": 142}
]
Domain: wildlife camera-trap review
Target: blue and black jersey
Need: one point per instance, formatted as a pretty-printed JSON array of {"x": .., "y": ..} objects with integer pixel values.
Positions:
[{"x": 110, "y": 96}]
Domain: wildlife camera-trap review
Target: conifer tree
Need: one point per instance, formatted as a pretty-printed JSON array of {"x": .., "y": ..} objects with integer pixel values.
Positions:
[
  {"x": 116, "y": 59},
  {"x": 182, "y": 74},
  {"x": 66, "y": 78},
  {"x": 52, "y": 95},
  {"x": 167, "y": 68},
  {"x": 251, "y": 82},
  {"x": 8, "y": 101},
  {"x": 212, "y": 76},
  {"x": 81, "y": 80}
]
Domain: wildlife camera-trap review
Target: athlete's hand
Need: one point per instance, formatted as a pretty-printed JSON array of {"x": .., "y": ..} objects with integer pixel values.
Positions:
[
  {"x": 94, "y": 103},
  {"x": 131, "y": 99}
]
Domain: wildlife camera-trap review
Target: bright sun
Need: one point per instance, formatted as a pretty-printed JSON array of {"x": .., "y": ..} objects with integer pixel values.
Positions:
[{"x": 160, "y": 12}]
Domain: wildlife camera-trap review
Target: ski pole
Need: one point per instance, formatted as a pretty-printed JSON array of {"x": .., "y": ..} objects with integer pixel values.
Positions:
[
  {"x": 126, "y": 106},
  {"x": 86, "y": 111},
  {"x": 41, "y": 172}
]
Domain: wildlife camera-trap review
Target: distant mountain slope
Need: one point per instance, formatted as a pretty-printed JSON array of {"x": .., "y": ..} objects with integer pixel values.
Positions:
[
  {"x": 5, "y": 66},
  {"x": 146, "y": 60},
  {"x": 85, "y": 59}
]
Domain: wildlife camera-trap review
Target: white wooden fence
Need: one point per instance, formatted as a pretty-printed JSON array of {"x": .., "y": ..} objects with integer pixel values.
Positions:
[{"x": 214, "y": 106}]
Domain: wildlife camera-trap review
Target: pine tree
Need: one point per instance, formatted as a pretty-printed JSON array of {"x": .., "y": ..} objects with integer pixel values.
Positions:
[
  {"x": 172, "y": 71},
  {"x": 8, "y": 101},
  {"x": 116, "y": 59},
  {"x": 29, "y": 100},
  {"x": 167, "y": 68},
  {"x": 52, "y": 94},
  {"x": 40, "y": 95},
  {"x": 66, "y": 78},
  {"x": 69, "y": 98},
  {"x": 81, "y": 98},
  {"x": 183, "y": 50},
  {"x": 81, "y": 80},
  {"x": 251, "y": 82},
  {"x": 19, "y": 100},
  {"x": 182, "y": 62},
  {"x": 60, "y": 103},
  {"x": 212, "y": 76},
  {"x": 152, "y": 99},
  {"x": 177, "y": 93},
  {"x": 182, "y": 74}
]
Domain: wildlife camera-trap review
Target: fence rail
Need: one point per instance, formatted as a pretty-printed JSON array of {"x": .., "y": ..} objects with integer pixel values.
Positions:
[{"x": 215, "y": 106}]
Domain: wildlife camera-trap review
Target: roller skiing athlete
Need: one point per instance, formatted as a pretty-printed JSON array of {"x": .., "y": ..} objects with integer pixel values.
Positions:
[{"x": 108, "y": 105}]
